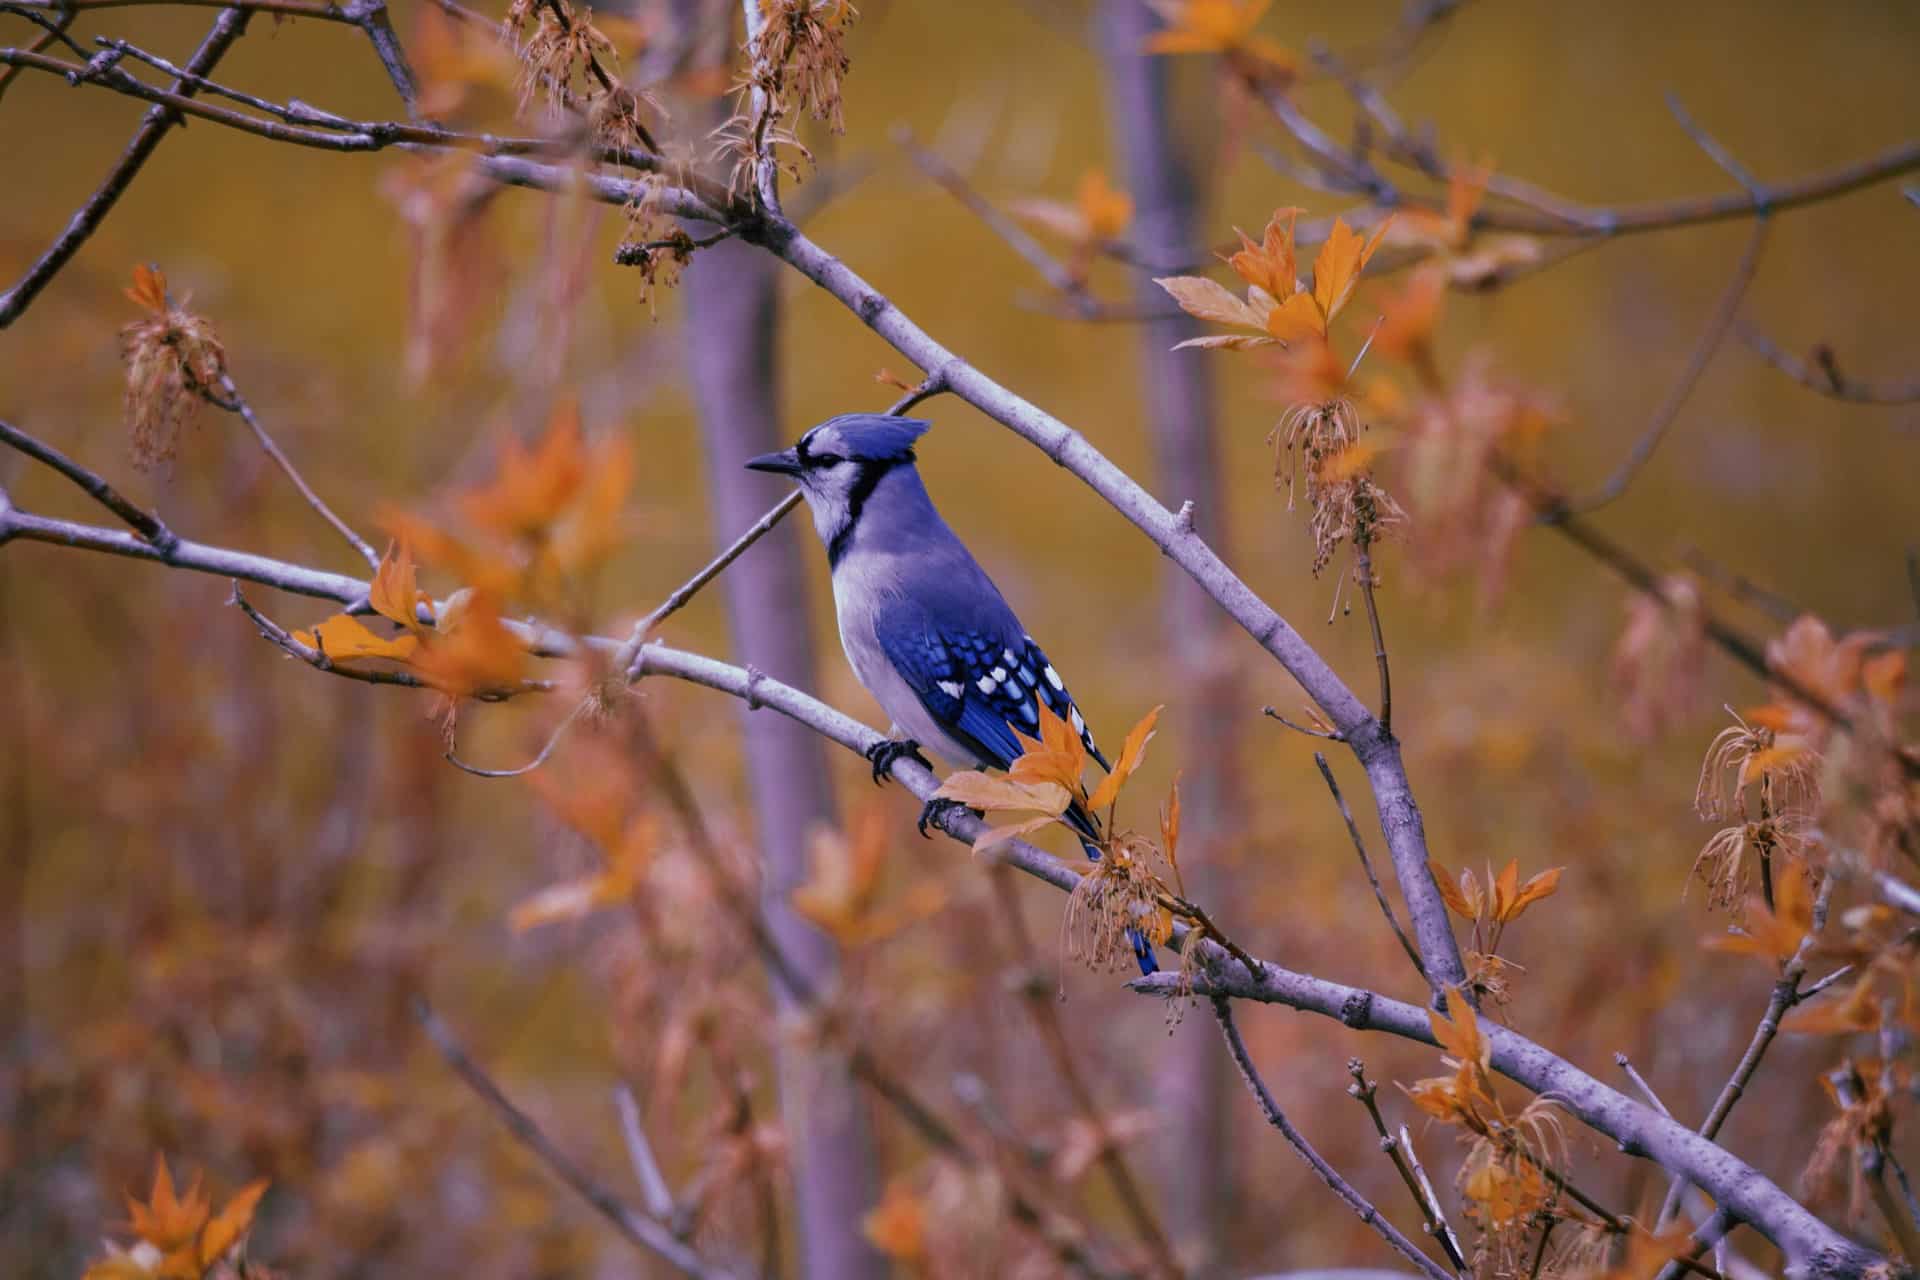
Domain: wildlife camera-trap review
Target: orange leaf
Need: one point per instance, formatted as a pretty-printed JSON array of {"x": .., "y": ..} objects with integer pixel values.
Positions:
[
  {"x": 897, "y": 1226},
  {"x": 1460, "y": 1037},
  {"x": 1107, "y": 211},
  {"x": 1131, "y": 754},
  {"x": 1506, "y": 887},
  {"x": 473, "y": 651},
  {"x": 396, "y": 591},
  {"x": 149, "y": 288},
  {"x": 1455, "y": 900},
  {"x": 530, "y": 488},
  {"x": 996, "y": 794},
  {"x": 1209, "y": 300},
  {"x": 1336, "y": 269},
  {"x": 167, "y": 1221},
  {"x": 1270, "y": 265},
  {"x": 1536, "y": 888},
  {"x": 342, "y": 638},
  {"x": 231, "y": 1223},
  {"x": 1296, "y": 319}
]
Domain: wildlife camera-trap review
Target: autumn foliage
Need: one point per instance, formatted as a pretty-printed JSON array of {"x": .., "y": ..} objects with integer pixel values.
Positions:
[{"x": 419, "y": 891}]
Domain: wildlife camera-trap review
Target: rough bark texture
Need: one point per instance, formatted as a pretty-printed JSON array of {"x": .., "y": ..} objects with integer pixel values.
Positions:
[
  {"x": 1192, "y": 1151},
  {"x": 732, "y": 319}
]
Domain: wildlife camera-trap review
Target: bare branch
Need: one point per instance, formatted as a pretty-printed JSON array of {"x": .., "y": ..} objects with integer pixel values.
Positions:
[
  {"x": 1328, "y": 1174},
  {"x": 646, "y": 1169},
  {"x": 1676, "y": 399},
  {"x": 1038, "y": 999},
  {"x": 1639, "y": 1082},
  {"x": 1366, "y": 865},
  {"x": 234, "y": 402},
  {"x": 143, "y": 522},
  {"x": 226, "y": 29},
  {"x": 1786, "y": 994},
  {"x": 1056, "y": 273},
  {"x": 1435, "y": 1222},
  {"x": 637, "y": 1227},
  {"x": 688, "y": 196},
  {"x": 1823, "y": 374}
]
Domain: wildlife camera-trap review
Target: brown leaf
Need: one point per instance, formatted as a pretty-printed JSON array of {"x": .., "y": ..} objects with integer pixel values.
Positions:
[
  {"x": 1131, "y": 755},
  {"x": 995, "y": 793}
]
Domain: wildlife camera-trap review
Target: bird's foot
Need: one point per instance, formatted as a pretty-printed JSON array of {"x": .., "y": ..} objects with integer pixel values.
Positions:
[
  {"x": 935, "y": 811},
  {"x": 884, "y": 753}
]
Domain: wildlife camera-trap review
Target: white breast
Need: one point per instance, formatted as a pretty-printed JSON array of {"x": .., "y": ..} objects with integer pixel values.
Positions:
[{"x": 861, "y": 589}]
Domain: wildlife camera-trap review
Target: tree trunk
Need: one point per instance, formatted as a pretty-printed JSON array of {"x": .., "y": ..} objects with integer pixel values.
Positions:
[
  {"x": 732, "y": 318},
  {"x": 1192, "y": 1155}
]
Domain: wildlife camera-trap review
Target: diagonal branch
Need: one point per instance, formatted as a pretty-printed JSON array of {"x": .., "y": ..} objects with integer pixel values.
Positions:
[
  {"x": 234, "y": 402},
  {"x": 143, "y": 522},
  {"x": 1366, "y": 865},
  {"x": 1377, "y": 750},
  {"x": 1703, "y": 351},
  {"x": 1223, "y": 1013},
  {"x": 227, "y": 28},
  {"x": 646, "y": 1232}
]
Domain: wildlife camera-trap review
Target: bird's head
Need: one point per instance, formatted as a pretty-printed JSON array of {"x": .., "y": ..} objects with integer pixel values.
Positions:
[{"x": 840, "y": 463}]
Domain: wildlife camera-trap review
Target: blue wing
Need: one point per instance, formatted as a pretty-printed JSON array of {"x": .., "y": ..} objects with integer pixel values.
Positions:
[{"x": 977, "y": 677}]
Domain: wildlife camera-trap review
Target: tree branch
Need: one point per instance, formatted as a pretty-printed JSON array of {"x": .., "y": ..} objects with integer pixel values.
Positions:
[
  {"x": 1366, "y": 865},
  {"x": 1813, "y": 1248},
  {"x": 1823, "y": 374},
  {"x": 1377, "y": 750},
  {"x": 237, "y": 403},
  {"x": 1361, "y": 1206},
  {"x": 226, "y": 29},
  {"x": 1676, "y": 399},
  {"x": 143, "y": 522},
  {"x": 637, "y": 1227}
]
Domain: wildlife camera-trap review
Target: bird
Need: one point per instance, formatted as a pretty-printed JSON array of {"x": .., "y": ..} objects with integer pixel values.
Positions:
[{"x": 924, "y": 628}]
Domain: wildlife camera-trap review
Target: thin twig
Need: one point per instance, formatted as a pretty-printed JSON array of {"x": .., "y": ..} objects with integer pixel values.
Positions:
[
  {"x": 1273, "y": 714},
  {"x": 141, "y": 521},
  {"x": 1361, "y": 1206},
  {"x": 1703, "y": 350},
  {"x": 1056, "y": 273},
  {"x": 646, "y": 1169},
  {"x": 1364, "y": 567},
  {"x": 637, "y": 1227},
  {"x": 1434, "y": 1221},
  {"x": 692, "y": 197},
  {"x": 226, "y": 29},
  {"x": 237, "y": 403},
  {"x": 1366, "y": 865},
  {"x": 1639, "y": 1082},
  {"x": 1046, "y": 1019},
  {"x": 1823, "y": 373},
  {"x": 1785, "y": 995},
  {"x": 546, "y": 750}
]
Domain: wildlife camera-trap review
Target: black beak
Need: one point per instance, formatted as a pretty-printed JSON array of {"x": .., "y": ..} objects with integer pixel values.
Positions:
[{"x": 784, "y": 463}]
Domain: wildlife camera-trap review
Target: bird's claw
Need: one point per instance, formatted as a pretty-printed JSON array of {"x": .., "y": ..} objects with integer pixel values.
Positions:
[
  {"x": 884, "y": 753},
  {"x": 935, "y": 811}
]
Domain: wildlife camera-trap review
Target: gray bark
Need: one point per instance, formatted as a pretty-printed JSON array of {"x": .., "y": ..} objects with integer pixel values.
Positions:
[
  {"x": 1193, "y": 1151},
  {"x": 732, "y": 329}
]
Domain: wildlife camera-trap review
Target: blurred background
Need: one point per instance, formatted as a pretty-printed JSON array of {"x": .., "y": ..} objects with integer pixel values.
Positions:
[{"x": 225, "y": 876}]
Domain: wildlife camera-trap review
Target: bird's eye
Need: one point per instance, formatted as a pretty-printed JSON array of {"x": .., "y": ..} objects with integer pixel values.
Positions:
[{"x": 826, "y": 460}]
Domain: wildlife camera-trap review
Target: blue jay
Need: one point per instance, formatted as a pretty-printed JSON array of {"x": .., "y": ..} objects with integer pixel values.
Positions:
[{"x": 925, "y": 629}]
